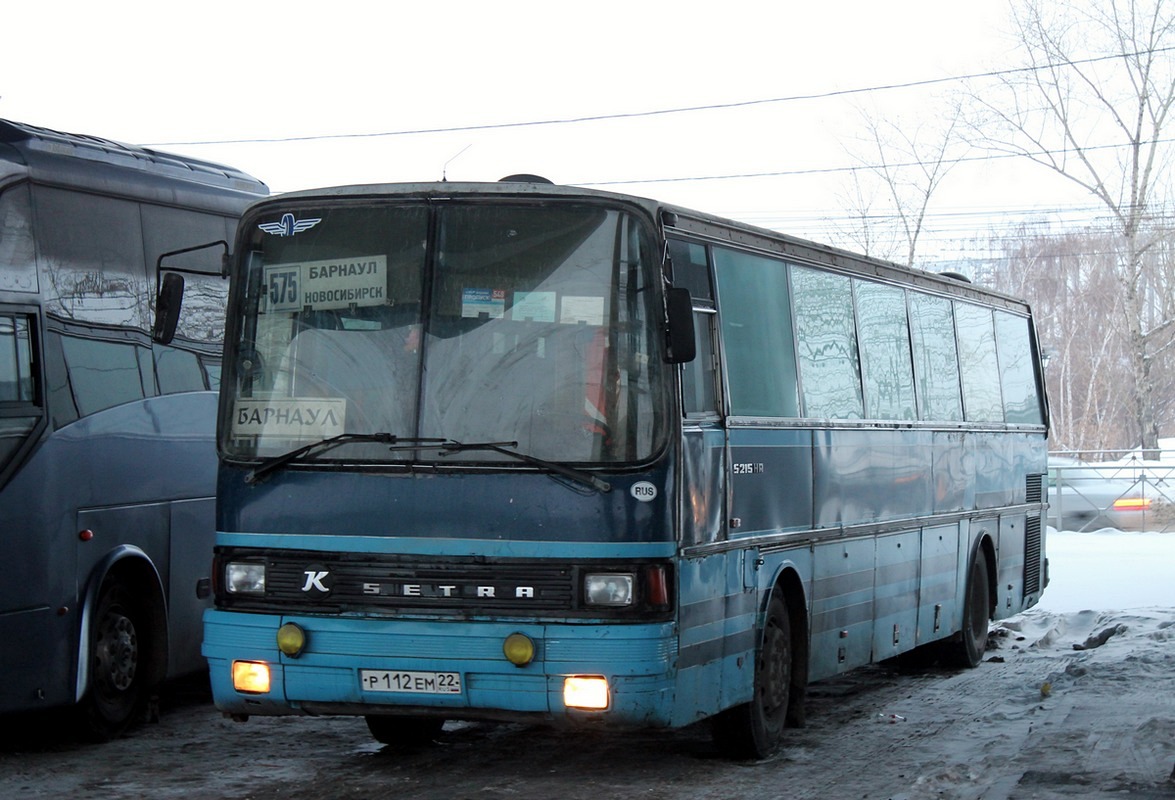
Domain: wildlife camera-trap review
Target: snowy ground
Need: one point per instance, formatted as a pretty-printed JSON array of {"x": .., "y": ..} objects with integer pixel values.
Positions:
[
  {"x": 1109, "y": 570},
  {"x": 1076, "y": 699}
]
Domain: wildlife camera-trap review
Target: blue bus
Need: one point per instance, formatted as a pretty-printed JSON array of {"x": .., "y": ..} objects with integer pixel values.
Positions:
[
  {"x": 520, "y": 451},
  {"x": 107, "y": 455}
]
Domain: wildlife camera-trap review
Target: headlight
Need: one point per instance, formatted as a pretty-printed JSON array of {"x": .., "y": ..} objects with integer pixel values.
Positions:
[
  {"x": 609, "y": 588},
  {"x": 244, "y": 578},
  {"x": 587, "y": 692},
  {"x": 251, "y": 677}
]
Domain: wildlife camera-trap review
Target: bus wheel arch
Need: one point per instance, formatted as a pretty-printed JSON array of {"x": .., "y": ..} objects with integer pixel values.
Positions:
[
  {"x": 754, "y": 730},
  {"x": 791, "y": 588},
  {"x": 966, "y": 648},
  {"x": 122, "y": 653}
]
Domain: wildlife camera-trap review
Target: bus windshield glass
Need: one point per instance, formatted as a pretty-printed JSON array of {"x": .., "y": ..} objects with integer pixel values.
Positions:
[{"x": 493, "y": 322}]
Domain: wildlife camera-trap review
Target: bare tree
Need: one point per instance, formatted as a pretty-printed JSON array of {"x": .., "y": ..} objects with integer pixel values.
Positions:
[
  {"x": 907, "y": 164},
  {"x": 1070, "y": 280},
  {"x": 865, "y": 228},
  {"x": 1093, "y": 106}
]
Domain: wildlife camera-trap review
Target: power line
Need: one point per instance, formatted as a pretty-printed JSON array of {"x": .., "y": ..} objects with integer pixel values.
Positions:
[
  {"x": 657, "y": 112},
  {"x": 864, "y": 167}
]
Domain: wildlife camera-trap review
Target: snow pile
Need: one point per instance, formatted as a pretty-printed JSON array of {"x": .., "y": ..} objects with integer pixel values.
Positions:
[{"x": 1089, "y": 692}]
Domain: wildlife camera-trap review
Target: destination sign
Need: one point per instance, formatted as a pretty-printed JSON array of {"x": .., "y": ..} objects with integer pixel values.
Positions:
[
  {"x": 296, "y": 418},
  {"x": 323, "y": 285}
]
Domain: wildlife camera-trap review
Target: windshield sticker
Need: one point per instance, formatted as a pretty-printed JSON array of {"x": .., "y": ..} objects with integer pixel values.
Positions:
[
  {"x": 297, "y": 418},
  {"x": 323, "y": 285},
  {"x": 534, "y": 306},
  {"x": 477, "y": 303},
  {"x": 582, "y": 309}
]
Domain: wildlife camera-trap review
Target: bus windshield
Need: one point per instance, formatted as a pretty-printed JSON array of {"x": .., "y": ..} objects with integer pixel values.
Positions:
[{"x": 526, "y": 325}]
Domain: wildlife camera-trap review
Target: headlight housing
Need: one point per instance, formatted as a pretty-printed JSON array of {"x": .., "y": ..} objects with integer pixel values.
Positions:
[
  {"x": 244, "y": 577},
  {"x": 609, "y": 588}
]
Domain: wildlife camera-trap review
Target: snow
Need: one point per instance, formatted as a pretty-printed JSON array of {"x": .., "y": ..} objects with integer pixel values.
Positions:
[
  {"x": 1091, "y": 668},
  {"x": 1109, "y": 569},
  {"x": 1075, "y": 698}
]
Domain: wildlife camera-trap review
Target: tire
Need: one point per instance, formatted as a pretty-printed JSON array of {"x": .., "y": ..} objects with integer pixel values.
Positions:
[
  {"x": 754, "y": 730},
  {"x": 401, "y": 731},
  {"x": 118, "y": 689},
  {"x": 967, "y": 648}
]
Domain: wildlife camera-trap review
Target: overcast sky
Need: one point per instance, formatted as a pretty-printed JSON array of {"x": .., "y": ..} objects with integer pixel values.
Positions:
[{"x": 146, "y": 73}]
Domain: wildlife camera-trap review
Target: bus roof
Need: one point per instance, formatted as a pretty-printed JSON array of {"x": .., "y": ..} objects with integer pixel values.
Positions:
[
  {"x": 102, "y": 165},
  {"x": 689, "y": 222}
]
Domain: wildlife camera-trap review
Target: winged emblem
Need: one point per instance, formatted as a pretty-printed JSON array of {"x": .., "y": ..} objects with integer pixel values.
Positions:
[{"x": 288, "y": 225}]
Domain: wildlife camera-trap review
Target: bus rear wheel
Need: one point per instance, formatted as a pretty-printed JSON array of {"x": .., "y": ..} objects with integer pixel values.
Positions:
[
  {"x": 402, "y": 731},
  {"x": 118, "y": 649},
  {"x": 754, "y": 730},
  {"x": 967, "y": 648}
]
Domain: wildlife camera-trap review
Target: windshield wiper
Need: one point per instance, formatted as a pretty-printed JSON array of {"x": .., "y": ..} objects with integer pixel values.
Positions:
[
  {"x": 276, "y": 462},
  {"x": 450, "y": 446},
  {"x": 443, "y": 446}
]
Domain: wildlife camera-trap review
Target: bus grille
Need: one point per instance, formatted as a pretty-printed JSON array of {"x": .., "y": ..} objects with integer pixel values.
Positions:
[
  {"x": 308, "y": 582},
  {"x": 1032, "y": 541},
  {"x": 1033, "y": 488}
]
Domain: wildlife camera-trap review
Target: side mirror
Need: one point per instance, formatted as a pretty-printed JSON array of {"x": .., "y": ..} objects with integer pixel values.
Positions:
[
  {"x": 167, "y": 307},
  {"x": 680, "y": 341},
  {"x": 171, "y": 290}
]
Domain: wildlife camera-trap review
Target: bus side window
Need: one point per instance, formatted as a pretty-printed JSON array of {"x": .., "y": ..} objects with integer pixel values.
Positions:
[
  {"x": 936, "y": 358},
  {"x": 17, "y": 248},
  {"x": 16, "y": 360},
  {"x": 978, "y": 364},
  {"x": 1017, "y": 371},
  {"x": 699, "y": 377},
  {"x": 177, "y": 370},
  {"x": 19, "y": 395},
  {"x": 691, "y": 270},
  {"x": 883, "y": 336},
  {"x": 757, "y": 340},
  {"x": 103, "y": 374},
  {"x": 830, "y": 371}
]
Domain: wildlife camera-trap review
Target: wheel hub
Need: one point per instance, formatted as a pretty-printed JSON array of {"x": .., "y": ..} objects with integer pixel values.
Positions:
[{"x": 118, "y": 653}]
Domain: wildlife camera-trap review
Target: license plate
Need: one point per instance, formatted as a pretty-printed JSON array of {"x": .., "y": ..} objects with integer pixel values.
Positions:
[{"x": 382, "y": 680}]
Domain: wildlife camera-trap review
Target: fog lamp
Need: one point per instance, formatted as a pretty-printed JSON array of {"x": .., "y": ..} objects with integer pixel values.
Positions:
[
  {"x": 291, "y": 639},
  {"x": 251, "y": 677},
  {"x": 586, "y": 691},
  {"x": 518, "y": 649}
]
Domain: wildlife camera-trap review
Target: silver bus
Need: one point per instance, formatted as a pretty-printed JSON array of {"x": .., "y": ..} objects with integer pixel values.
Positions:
[{"x": 107, "y": 463}]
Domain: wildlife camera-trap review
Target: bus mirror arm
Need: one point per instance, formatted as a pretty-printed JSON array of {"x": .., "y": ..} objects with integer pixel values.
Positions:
[
  {"x": 170, "y": 296},
  {"x": 681, "y": 347}
]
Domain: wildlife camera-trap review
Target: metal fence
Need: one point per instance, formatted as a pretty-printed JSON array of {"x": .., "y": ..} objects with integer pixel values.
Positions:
[{"x": 1125, "y": 492}]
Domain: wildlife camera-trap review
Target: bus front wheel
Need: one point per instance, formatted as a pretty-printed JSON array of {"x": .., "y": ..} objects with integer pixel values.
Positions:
[
  {"x": 754, "y": 730},
  {"x": 403, "y": 731},
  {"x": 118, "y": 648}
]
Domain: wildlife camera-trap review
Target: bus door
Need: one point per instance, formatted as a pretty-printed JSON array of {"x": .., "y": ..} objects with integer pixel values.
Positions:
[
  {"x": 704, "y": 445},
  {"x": 708, "y": 582},
  {"x": 705, "y": 461}
]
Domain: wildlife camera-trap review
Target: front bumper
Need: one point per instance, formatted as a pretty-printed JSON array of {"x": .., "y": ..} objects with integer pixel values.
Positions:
[{"x": 637, "y": 660}]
